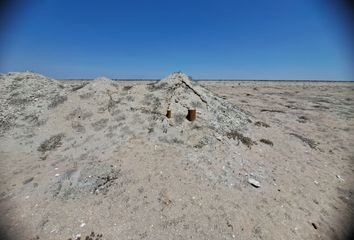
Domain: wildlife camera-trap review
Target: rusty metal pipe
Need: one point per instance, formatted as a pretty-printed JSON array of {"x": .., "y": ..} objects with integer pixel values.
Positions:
[
  {"x": 169, "y": 113},
  {"x": 192, "y": 114}
]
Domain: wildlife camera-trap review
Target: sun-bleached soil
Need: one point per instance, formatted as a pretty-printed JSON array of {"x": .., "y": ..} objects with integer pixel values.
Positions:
[{"x": 263, "y": 160}]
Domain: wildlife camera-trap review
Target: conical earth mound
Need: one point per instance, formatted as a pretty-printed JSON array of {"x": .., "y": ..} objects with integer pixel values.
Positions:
[{"x": 120, "y": 113}]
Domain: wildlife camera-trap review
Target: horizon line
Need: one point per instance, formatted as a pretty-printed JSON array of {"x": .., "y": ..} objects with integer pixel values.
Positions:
[{"x": 208, "y": 79}]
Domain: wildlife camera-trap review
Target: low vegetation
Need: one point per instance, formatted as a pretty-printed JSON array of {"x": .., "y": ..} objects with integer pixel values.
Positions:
[
  {"x": 57, "y": 100},
  {"x": 266, "y": 141},
  {"x": 272, "y": 110},
  {"x": 245, "y": 140},
  {"x": 77, "y": 87},
  {"x": 92, "y": 236},
  {"x": 261, "y": 124},
  {"x": 179, "y": 118},
  {"x": 196, "y": 104},
  {"x": 302, "y": 119},
  {"x": 126, "y": 88},
  {"x": 51, "y": 143},
  {"x": 310, "y": 142}
]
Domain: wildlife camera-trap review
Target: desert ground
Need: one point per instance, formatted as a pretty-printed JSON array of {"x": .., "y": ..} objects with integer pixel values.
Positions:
[{"x": 100, "y": 160}]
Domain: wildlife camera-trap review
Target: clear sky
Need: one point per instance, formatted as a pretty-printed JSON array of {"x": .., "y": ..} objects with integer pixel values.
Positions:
[{"x": 228, "y": 39}]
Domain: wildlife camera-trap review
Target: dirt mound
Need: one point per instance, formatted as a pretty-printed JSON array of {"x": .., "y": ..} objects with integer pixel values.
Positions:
[
  {"x": 25, "y": 97},
  {"x": 180, "y": 93},
  {"x": 28, "y": 99}
]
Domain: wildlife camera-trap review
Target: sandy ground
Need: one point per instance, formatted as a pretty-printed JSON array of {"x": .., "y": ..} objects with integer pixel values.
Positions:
[{"x": 81, "y": 170}]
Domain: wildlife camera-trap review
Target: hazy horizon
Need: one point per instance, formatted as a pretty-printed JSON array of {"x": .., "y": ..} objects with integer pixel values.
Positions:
[{"x": 196, "y": 79}]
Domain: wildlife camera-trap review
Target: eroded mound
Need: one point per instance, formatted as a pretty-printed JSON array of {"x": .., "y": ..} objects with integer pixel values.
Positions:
[{"x": 120, "y": 113}]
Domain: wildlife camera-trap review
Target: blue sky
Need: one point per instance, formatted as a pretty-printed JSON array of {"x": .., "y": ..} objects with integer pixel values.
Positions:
[{"x": 228, "y": 39}]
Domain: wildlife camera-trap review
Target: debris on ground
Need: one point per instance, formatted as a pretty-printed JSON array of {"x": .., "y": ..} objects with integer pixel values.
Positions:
[{"x": 254, "y": 182}]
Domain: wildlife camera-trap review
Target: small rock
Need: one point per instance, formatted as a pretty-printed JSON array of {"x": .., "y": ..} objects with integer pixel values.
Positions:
[
  {"x": 28, "y": 180},
  {"x": 340, "y": 178},
  {"x": 314, "y": 225},
  {"x": 254, "y": 182},
  {"x": 82, "y": 224},
  {"x": 57, "y": 175}
]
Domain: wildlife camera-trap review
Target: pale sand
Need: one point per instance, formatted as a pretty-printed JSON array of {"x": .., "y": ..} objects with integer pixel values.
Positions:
[{"x": 111, "y": 174}]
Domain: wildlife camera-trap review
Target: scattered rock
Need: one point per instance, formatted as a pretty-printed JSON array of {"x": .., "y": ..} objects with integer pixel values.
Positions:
[
  {"x": 340, "y": 178},
  {"x": 254, "y": 182},
  {"x": 28, "y": 180}
]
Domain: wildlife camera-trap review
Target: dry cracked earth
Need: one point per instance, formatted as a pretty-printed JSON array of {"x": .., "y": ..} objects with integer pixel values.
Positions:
[{"x": 100, "y": 160}]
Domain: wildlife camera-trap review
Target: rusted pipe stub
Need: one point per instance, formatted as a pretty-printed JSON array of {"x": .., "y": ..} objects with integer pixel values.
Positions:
[
  {"x": 192, "y": 114},
  {"x": 169, "y": 113}
]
